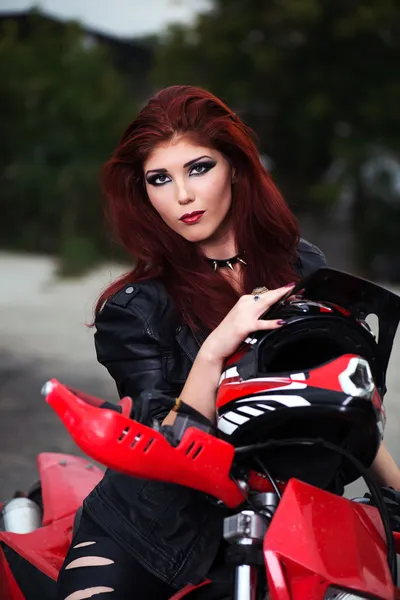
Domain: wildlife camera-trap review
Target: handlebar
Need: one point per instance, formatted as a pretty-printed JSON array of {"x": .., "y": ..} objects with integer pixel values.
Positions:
[{"x": 200, "y": 461}]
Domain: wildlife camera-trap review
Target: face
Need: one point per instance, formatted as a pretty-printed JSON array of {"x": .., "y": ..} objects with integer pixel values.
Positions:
[{"x": 190, "y": 186}]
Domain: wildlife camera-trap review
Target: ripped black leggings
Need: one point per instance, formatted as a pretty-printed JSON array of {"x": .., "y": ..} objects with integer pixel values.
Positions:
[{"x": 112, "y": 574}]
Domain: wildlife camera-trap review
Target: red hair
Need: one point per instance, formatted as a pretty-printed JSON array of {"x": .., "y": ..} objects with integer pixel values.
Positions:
[{"x": 264, "y": 226}]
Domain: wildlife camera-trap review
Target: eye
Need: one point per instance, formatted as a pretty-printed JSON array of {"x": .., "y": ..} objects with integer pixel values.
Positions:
[
  {"x": 158, "y": 179},
  {"x": 197, "y": 170},
  {"x": 202, "y": 167}
]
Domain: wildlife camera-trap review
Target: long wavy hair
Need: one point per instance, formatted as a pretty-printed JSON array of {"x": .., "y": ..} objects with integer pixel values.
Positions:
[{"x": 263, "y": 225}]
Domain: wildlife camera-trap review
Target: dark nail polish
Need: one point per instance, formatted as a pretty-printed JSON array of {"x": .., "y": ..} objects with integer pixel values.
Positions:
[{"x": 281, "y": 322}]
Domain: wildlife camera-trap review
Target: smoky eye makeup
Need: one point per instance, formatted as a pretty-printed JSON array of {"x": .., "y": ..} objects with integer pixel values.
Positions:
[
  {"x": 203, "y": 166},
  {"x": 157, "y": 179},
  {"x": 199, "y": 168}
]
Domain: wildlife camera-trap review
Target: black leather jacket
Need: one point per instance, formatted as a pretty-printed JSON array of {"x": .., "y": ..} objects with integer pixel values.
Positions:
[{"x": 173, "y": 531}]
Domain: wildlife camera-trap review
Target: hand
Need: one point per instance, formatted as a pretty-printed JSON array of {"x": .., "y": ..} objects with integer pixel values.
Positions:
[{"x": 243, "y": 319}]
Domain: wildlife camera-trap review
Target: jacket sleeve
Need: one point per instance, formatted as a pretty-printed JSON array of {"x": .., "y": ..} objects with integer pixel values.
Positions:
[{"x": 127, "y": 345}]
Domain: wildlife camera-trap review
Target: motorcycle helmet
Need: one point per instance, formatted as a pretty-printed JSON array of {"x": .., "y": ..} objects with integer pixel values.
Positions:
[{"x": 321, "y": 375}]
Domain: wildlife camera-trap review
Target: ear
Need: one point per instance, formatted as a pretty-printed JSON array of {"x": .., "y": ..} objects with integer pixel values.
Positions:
[{"x": 234, "y": 180}]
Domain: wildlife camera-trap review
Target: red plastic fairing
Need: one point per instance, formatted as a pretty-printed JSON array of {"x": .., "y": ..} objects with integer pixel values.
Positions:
[
  {"x": 124, "y": 403},
  {"x": 317, "y": 540},
  {"x": 200, "y": 461},
  {"x": 66, "y": 481},
  {"x": 44, "y": 548}
]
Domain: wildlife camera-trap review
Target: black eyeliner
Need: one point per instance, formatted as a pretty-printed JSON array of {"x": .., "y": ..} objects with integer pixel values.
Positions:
[
  {"x": 208, "y": 164},
  {"x": 151, "y": 179},
  {"x": 204, "y": 163}
]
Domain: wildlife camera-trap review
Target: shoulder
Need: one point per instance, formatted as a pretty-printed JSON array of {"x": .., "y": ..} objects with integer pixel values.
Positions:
[
  {"x": 310, "y": 258},
  {"x": 145, "y": 306},
  {"x": 305, "y": 247}
]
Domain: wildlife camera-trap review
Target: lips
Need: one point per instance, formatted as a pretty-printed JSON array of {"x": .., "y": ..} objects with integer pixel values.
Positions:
[{"x": 194, "y": 217}]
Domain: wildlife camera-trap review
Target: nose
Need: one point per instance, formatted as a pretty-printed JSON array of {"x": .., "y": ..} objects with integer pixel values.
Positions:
[{"x": 185, "y": 196}]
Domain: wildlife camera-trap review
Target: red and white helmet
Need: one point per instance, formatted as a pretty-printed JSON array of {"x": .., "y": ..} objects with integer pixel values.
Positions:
[{"x": 321, "y": 375}]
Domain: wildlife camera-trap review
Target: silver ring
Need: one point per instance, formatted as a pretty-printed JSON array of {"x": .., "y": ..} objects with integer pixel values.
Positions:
[{"x": 256, "y": 297}]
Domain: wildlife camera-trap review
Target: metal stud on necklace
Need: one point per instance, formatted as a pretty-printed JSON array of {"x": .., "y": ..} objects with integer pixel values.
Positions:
[{"x": 229, "y": 262}]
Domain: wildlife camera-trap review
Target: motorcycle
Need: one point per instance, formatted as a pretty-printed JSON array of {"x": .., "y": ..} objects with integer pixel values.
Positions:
[
  {"x": 36, "y": 528},
  {"x": 287, "y": 540}
]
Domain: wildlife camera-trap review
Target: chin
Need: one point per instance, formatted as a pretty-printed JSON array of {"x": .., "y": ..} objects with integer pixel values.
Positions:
[
  {"x": 196, "y": 234},
  {"x": 195, "y": 238}
]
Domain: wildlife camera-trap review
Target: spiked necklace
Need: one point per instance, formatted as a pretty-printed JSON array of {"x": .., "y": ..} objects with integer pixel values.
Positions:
[{"x": 229, "y": 262}]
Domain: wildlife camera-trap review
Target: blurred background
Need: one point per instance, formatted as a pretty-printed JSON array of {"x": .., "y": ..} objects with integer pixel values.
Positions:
[{"x": 317, "y": 80}]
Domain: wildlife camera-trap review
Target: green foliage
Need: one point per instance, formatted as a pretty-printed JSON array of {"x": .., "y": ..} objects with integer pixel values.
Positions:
[
  {"x": 377, "y": 242},
  {"x": 63, "y": 107},
  {"x": 77, "y": 255}
]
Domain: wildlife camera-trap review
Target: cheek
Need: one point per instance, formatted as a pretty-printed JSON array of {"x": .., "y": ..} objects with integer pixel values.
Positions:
[
  {"x": 160, "y": 202},
  {"x": 217, "y": 191}
]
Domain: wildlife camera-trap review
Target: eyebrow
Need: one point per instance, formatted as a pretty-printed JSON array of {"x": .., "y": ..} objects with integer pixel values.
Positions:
[{"x": 188, "y": 164}]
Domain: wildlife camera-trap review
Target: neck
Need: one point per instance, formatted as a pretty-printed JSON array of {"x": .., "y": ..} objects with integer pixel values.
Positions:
[{"x": 221, "y": 247}]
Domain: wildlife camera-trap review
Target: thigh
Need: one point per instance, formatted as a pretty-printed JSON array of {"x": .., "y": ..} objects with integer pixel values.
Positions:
[{"x": 96, "y": 567}]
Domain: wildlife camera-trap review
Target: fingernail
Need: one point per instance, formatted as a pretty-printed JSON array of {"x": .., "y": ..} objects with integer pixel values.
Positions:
[
  {"x": 281, "y": 322},
  {"x": 290, "y": 284}
]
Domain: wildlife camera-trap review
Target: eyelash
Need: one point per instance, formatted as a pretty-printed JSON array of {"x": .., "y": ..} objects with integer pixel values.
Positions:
[{"x": 206, "y": 165}]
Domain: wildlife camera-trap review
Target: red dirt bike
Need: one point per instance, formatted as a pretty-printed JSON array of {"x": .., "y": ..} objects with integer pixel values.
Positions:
[
  {"x": 289, "y": 541},
  {"x": 297, "y": 542}
]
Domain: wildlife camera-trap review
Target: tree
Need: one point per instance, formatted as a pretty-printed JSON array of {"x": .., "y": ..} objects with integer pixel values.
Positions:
[{"x": 63, "y": 107}]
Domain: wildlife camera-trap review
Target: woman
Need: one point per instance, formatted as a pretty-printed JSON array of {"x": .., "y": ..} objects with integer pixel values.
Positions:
[{"x": 191, "y": 201}]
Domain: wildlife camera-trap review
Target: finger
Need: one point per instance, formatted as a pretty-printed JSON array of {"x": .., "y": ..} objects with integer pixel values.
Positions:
[
  {"x": 286, "y": 289},
  {"x": 269, "y": 298},
  {"x": 262, "y": 325}
]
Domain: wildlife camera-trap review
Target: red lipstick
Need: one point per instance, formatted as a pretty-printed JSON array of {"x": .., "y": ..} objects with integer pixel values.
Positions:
[{"x": 192, "y": 218}]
